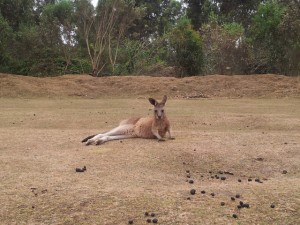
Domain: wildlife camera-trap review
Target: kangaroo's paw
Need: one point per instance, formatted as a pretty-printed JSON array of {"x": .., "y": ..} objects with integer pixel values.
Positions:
[
  {"x": 99, "y": 141},
  {"x": 161, "y": 139},
  {"x": 89, "y": 142}
]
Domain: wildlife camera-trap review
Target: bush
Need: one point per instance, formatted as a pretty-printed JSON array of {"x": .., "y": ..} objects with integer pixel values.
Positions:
[{"x": 186, "y": 48}]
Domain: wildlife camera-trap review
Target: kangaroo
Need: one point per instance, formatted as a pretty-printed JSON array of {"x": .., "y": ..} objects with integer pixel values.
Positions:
[{"x": 145, "y": 127}]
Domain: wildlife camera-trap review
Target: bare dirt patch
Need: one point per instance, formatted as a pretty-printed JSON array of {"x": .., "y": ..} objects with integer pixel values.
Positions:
[
  {"x": 85, "y": 86},
  {"x": 250, "y": 138}
]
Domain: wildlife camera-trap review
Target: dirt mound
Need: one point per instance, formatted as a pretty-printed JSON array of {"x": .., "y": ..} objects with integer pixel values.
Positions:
[{"x": 236, "y": 86}]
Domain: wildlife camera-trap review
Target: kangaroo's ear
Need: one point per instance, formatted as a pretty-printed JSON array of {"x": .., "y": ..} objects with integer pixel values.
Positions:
[
  {"x": 164, "y": 99},
  {"x": 153, "y": 101}
]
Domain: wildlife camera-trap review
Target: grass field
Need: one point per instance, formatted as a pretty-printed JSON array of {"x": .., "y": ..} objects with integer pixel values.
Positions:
[{"x": 252, "y": 138}]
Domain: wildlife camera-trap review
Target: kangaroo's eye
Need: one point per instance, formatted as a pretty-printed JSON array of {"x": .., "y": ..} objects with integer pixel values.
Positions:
[
  {"x": 162, "y": 111},
  {"x": 155, "y": 111}
]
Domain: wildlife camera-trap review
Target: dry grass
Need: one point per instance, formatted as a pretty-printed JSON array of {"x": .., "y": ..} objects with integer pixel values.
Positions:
[{"x": 40, "y": 149}]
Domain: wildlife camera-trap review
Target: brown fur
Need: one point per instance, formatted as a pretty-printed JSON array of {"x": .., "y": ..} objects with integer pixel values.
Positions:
[{"x": 145, "y": 127}]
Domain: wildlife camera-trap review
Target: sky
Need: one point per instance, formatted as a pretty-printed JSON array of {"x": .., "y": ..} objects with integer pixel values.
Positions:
[{"x": 94, "y": 2}]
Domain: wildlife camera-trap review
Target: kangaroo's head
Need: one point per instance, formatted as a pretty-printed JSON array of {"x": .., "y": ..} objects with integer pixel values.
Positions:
[{"x": 159, "y": 111}]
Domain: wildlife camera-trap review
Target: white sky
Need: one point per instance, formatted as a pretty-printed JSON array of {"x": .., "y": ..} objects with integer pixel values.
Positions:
[{"x": 94, "y": 2}]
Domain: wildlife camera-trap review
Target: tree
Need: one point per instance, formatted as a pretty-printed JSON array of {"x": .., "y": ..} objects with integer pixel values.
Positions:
[
  {"x": 266, "y": 37},
  {"x": 103, "y": 29},
  {"x": 225, "y": 47},
  {"x": 157, "y": 18},
  {"x": 198, "y": 11},
  {"x": 186, "y": 45}
]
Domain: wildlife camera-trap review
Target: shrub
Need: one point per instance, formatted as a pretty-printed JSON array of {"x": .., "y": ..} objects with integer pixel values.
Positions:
[{"x": 186, "y": 49}]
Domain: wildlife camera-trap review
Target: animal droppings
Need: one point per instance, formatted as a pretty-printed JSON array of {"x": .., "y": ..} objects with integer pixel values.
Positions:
[
  {"x": 239, "y": 180},
  {"x": 193, "y": 191},
  {"x": 188, "y": 176},
  {"x": 246, "y": 205},
  {"x": 234, "y": 215},
  {"x": 84, "y": 168},
  {"x": 212, "y": 194},
  {"x": 79, "y": 170},
  {"x": 148, "y": 220},
  {"x": 284, "y": 172},
  {"x": 187, "y": 171},
  {"x": 130, "y": 222},
  {"x": 191, "y": 181},
  {"x": 272, "y": 206},
  {"x": 155, "y": 220},
  {"x": 152, "y": 214},
  {"x": 241, "y": 203},
  {"x": 257, "y": 180},
  {"x": 232, "y": 198},
  {"x": 223, "y": 178},
  {"x": 202, "y": 192},
  {"x": 222, "y": 203},
  {"x": 239, "y": 206},
  {"x": 188, "y": 198},
  {"x": 146, "y": 214},
  {"x": 237, "y": 196},
  {"x": 249, "y": 179}
]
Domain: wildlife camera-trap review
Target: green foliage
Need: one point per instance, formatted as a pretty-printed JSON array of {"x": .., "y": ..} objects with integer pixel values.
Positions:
[
  {"x": 52, "y": 37},
  {"x": 266, "y": 21},
  {"x": 187, "y": 46},
  {"x": 265, "y": 35},
  {"x": 225, "y": 48}
]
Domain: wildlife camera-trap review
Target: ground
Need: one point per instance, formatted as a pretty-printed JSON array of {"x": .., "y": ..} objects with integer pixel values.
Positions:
[{"x": 234, "y": 126}]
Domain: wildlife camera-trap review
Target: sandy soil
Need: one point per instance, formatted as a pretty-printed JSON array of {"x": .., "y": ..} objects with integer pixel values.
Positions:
[
  {"x": 85, "y": 86},
  {"x": 256, "y": 136}
]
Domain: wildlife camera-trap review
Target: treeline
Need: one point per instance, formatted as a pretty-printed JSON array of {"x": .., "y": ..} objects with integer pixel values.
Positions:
[{"x": 118, "y": 37}]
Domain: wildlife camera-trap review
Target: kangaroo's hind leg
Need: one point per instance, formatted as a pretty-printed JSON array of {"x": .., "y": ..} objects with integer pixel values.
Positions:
[
  {"x": 125, "y": 129},
  {"x": 111, "y": 138}
]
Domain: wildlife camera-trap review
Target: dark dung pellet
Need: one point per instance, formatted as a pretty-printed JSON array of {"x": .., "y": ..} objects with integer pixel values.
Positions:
[
  {"x": 272, "y": 206},
  {"x": 130, "y": 222},
  {"x": 187, "y": 171},
  {"x": 257, "y": 180},
  {"x": 152, "y": 214},
  {"x": 148, "y": 220},
  {"x": 155, "y": 220},
  {"x": 249, "y": 179},
  {"x": 232, "y": 198},
  {"x": 246, "y": 205},
  {"x": 146, "y": 214},
  {"x": 188, "y": 176},
  {"x": 79, "y": 170},
  {"x": 191, "y": 181},
  {"x": 202, "y": 192},
  {"x": 188, "y": 198},
  {"x": 222, "y": 203},
  {"x": 284, "y": 172},
  {"x": 241, "y": 203},
  {"x": 234, "y": 215},
  {"x": 193, "y": 191},
  {"x": 239, "y": 206},
  {"x": 223, "y": 178},
  {"x": 237, "y": 196},
  {"x": 239, "y": 180},
  {"x": 212, "y": 194}
]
